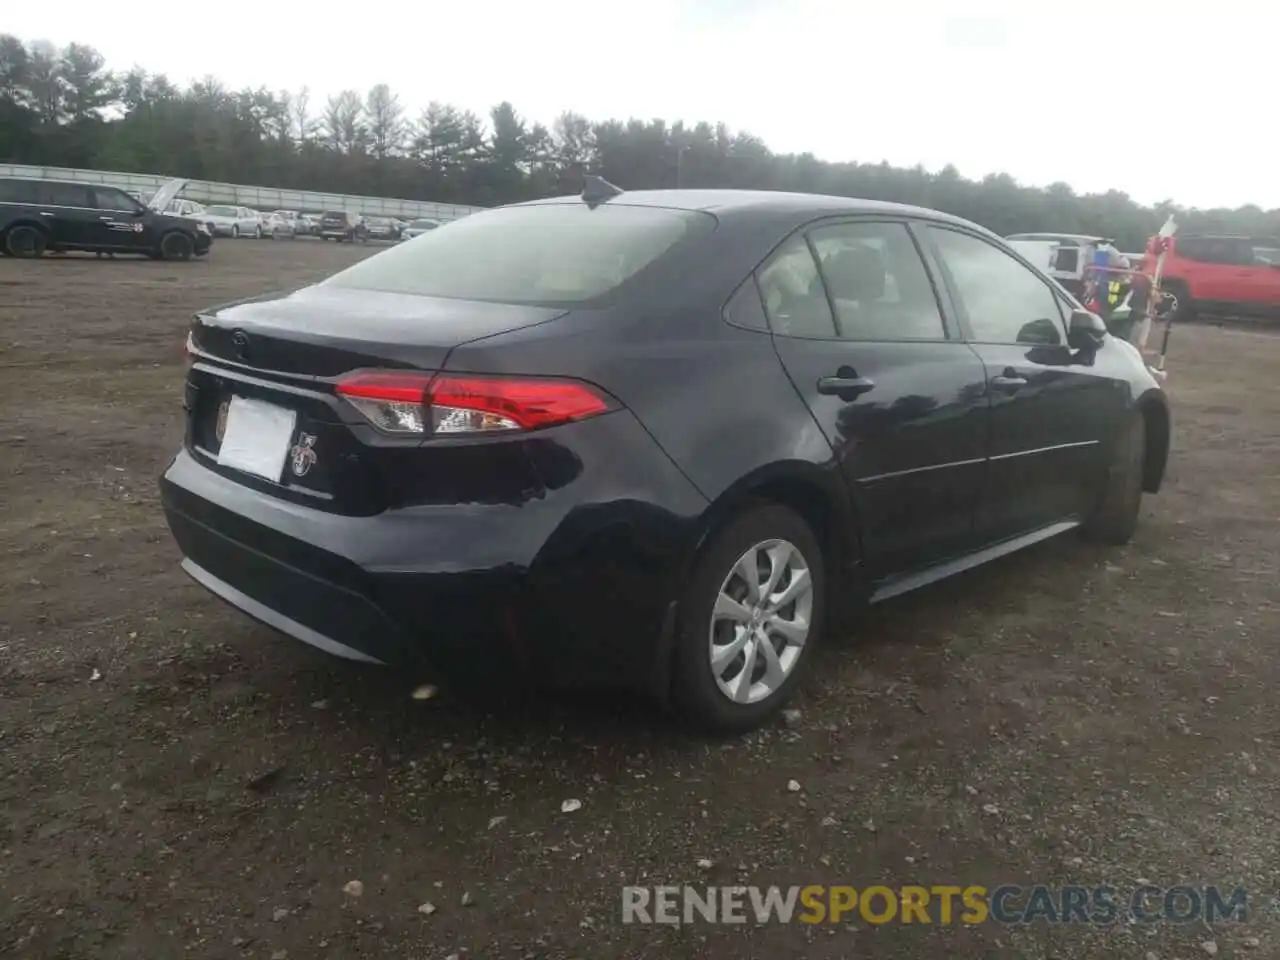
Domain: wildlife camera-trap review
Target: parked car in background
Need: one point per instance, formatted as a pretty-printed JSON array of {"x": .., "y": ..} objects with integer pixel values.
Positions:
[
  {"x": 227, "y": 221},
  {"x": 184, "y": 208},
  {"x": 1233, "y": 276},
  {"x": 381, "y": 228},
  {"x": 312, "y": 221},
  {"x": 1064, "y": 256},
  {"x": 343, "y": 225},
  {"x": 519, "y": 449},
  {"x": 55, "y": 216},
  {"x": 281, "y": 223},
  {"x": 418, "y": 227}
]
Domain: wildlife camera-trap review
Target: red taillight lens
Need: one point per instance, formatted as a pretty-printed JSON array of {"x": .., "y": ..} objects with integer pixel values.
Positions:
[{"x": 419, "y": 403}]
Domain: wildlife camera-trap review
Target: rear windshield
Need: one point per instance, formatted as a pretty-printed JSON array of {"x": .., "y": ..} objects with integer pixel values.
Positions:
[
  {"x": 222, "y": 211},
  {"x": 423, "y": 224},
  {"x": 335, "y": 216},
  {"x": 560, "y": 253}
]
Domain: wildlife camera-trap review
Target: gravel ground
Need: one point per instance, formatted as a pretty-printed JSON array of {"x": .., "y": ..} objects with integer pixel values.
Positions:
[{"x": 177, "y": 781}]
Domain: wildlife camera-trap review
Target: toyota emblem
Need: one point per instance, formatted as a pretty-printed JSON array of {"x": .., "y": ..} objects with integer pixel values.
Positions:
[{"x": 240, "y": 342}]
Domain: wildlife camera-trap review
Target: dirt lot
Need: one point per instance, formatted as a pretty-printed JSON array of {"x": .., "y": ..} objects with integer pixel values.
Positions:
[{"x": 176, "y": 781}]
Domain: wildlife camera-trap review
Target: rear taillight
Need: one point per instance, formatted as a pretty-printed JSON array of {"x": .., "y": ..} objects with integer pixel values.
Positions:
[{"x": 418, "y": 404}]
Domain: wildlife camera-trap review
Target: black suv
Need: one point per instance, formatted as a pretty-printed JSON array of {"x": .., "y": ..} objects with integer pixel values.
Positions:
[
  {"x": 340, "y": 225},
  {"x": 39, "y": 215}
]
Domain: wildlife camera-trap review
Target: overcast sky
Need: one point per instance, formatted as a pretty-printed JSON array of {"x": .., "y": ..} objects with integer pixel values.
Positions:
[{"x": 1043, "y": 91}]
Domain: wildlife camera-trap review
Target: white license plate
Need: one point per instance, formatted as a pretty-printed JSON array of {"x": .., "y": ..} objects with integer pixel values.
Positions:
[{"x": 257, "y": 437}]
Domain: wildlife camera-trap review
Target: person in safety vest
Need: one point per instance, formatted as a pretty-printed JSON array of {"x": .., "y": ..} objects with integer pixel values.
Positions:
[
  {"x": 1127, "y": 297},
  {"x": 1117, "y": 284}
]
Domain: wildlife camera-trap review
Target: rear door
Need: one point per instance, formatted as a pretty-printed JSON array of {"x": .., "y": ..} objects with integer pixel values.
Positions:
[
  {"x": 68, "y": 210},
  {"x": 858, "y": 327},
  {"x": 1264, "y": 281},
  {"x": 1053, "y": 410},
  {"x": 1216, "y": 268}
]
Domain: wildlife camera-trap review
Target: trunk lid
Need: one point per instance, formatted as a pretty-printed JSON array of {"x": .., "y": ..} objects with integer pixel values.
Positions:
[
  {"x": 323, "y": 331},
  {"x": 286, "y": 351}
]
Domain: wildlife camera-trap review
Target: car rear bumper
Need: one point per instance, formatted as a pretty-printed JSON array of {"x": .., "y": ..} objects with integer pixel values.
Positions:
[
  {"x": 573, "y": 590},
  {"x": 332, "y": 581}
]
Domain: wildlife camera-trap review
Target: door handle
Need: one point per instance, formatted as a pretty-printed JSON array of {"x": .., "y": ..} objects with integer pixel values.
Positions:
[
  {"x": 1007, "y": 383},
  {"x": 106, "y": 218},
  {"x": 47, "y": 213},
  {"x": 845, "y": 387}
]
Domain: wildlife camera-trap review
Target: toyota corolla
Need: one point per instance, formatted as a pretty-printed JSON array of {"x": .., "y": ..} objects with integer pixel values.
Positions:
[{"x": 648, "y": 439}]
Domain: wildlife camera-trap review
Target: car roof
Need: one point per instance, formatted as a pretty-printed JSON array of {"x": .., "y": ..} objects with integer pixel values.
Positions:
[
  {"x": 803, "y": 206},
  {"x": 76, "y": 183},
  {"x": 1251, "y": 238},
  {"x": 1045, "y": 235}
]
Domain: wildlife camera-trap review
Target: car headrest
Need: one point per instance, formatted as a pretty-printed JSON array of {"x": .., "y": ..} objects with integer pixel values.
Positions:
[{"x": 855, "y": 273}]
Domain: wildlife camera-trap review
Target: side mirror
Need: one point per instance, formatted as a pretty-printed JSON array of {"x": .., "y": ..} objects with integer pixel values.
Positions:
[{"x": 1086, "y": 331}]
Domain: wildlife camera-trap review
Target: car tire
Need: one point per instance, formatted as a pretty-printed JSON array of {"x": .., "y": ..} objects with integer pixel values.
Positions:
[
  {"x": 1184, "y": 310},
  {"x": 707, "y": 695},
  {"x": 176, "y": 245},
  {"x": 25, "y": 241},
  {"x": 1115, "y": 518},
  {"x": 235, "y": 231},
  {"x": 257, "y": 233}
]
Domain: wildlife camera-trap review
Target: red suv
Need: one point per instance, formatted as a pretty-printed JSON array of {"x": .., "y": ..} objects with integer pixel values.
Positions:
[{"x": 1236, "y": 276}]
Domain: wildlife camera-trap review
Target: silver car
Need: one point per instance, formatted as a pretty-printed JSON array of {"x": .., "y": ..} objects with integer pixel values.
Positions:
[
  {"x": 282, "y": 223},
  {"x": 417, "y": 228},
  {"x": 224, "y": 220}
]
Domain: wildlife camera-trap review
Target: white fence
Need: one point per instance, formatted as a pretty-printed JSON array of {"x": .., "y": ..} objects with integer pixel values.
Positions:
[{"x": 259, "y": 198}]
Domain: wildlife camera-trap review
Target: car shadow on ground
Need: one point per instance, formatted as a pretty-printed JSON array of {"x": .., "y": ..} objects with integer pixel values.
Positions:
[{"x": 382, "y": 702}]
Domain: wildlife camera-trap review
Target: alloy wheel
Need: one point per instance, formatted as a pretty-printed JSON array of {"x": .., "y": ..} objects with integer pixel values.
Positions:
[{"x": 761, "y": 620}]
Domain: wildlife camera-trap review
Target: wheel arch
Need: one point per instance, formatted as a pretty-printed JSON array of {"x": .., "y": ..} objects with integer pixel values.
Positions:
[
  {"x": 179, "y": 231},
  {"x": 817, "y": 493},
  {"x": 25, "y": 222}
]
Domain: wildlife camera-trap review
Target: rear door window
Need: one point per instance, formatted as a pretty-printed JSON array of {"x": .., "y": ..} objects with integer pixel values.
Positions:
[
  {"x": 795, "y": 300},
  {"x": 17, "y": 191},
  {"x": 553, "y": 253},
  {"x": 1222, "y": 250},
  {"x": 65, "y": 194},
  {"x": 877, "y": 282}
]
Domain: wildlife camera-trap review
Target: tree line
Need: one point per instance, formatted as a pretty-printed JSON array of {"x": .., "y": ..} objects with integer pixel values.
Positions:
[{"x": 64, "y": 107}]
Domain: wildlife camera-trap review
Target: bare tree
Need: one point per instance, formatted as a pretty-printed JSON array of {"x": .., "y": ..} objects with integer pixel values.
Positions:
[
  {"x": 304, "y": 125},
  {"x": 44, "y": 82},
  {"x": 344, "y": 122},
  {"x": 385, "y": 119}
]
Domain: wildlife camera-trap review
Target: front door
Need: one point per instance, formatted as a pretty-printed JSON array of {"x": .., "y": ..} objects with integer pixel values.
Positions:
[
  {"x": 900, "y": 398},
  {"x": 67, "y": 210},
  {"x": 121, "y": 224},
  {"x": 1053, "y": 410}
]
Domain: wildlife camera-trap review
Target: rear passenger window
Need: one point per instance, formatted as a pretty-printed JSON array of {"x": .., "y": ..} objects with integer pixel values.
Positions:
[
  {"x": 877, "y": 282},
  {"x": 745, "y": 309},
  {"x": 17, "y": 191},
  {"x": 794, "y": 298},
  {"x": 65, "y": 195}
]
